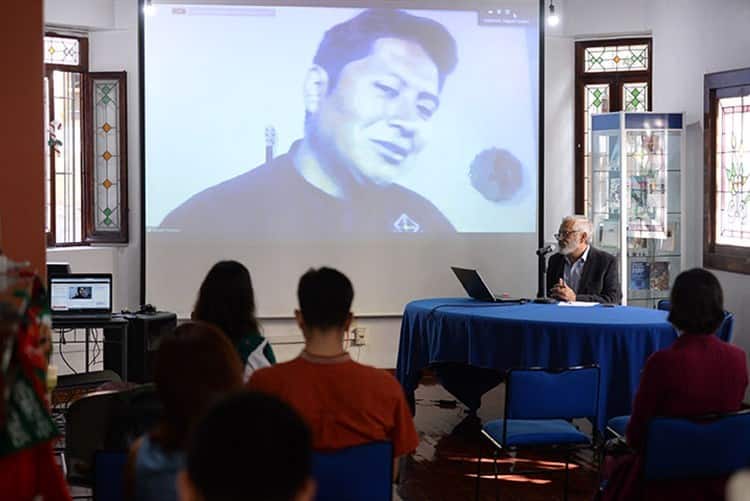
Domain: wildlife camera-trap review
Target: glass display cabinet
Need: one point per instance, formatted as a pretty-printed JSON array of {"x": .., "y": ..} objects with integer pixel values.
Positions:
[{"x": 636, "y": 171}]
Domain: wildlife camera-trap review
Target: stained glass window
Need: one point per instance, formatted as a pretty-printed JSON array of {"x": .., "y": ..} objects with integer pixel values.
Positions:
[
  {"x": 635, "y": 96},
  {"x": 597, "y": 101},
  {"x": 733, "y": 172},
  {"x": 107, "y": 214},
  {"x": 616, "y": 58},
  {"x": 59, "y": 50}
]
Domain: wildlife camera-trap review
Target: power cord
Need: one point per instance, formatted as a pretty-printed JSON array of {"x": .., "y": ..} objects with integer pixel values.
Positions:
[
  {"x": 62, "y": 356},
  {"x": 97, "y": 349}
]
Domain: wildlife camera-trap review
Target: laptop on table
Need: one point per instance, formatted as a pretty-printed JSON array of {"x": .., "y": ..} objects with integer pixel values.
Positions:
[
  {"x": 477, "y": 289},
  {"x": 81, "y": 296}
]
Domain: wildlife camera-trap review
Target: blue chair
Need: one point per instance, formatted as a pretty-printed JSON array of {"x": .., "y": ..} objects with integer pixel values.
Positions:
[
  {"x": 109, "y": 473},
  {"x": 726, "y": 329},
  {"x": 617, "y": 425},
  {"x": 540, "y": 405},
  {"x": 664, "y": 305},
  {"x": 363, "y": 472},
  {"x": 709, "y": 446}
]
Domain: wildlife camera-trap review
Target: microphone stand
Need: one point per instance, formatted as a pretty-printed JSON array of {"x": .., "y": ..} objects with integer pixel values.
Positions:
[{"x": 541, "y": 291}]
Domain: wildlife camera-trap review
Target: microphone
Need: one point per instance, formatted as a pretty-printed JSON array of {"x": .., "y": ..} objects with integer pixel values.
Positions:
[{"x": 547, "y": 249}]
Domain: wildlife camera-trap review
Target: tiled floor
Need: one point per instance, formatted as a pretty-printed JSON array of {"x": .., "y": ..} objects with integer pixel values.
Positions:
[{"x": 445, "y": 464}]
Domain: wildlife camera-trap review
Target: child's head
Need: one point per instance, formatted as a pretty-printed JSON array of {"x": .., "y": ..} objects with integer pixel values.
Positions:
[
  {"x": 249, "y": 446},
  {"x": 194, "y": 367}
]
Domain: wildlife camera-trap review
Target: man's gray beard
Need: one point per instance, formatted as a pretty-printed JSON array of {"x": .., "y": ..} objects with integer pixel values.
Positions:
[{"x": 567, "y": 250}]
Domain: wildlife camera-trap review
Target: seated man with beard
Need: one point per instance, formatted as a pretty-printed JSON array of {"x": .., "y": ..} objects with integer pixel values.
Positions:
[{"x": 579, "y": 272}]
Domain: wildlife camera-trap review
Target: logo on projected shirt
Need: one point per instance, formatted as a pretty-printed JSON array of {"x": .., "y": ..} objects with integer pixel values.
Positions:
[{"x": 405, "y": 224}]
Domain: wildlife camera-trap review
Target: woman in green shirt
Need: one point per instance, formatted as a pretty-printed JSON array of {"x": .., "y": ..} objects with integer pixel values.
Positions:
[{"x": 226, "y": 300}]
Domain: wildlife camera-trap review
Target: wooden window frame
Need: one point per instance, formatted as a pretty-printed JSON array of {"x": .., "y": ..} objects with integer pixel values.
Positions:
[
  {"x": 614, "y": 79},
  {"x": 82, "y": 67},
  {"x": 731, "y": 258},
  {"x": 89, "y": 235}
]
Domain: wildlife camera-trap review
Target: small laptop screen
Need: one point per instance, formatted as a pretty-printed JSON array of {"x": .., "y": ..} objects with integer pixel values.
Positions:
[{"x": 81, "y": 294}]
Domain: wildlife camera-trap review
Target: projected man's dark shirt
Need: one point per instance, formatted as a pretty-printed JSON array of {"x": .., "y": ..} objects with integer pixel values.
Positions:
[{"x": 275, "y": 200}]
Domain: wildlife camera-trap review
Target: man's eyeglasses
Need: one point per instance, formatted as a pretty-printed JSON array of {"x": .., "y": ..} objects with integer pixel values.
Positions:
[{"x": 564, "y": 234}]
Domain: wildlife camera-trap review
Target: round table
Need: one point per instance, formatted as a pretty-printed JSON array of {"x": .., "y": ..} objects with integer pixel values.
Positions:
[{"x": 500, "y": 336}]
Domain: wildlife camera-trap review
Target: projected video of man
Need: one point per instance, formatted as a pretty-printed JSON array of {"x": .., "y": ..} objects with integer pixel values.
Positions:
[{"x": 370, "y": 98}]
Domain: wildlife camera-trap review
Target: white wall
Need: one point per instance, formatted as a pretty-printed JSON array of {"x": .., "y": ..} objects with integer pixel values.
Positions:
[
  {"x": 85, "y": 14},
  {"x": 559, "y": 95}
]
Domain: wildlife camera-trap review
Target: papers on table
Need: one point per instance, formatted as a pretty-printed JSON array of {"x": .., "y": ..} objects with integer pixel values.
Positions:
[{"x": 578, "y": 303}]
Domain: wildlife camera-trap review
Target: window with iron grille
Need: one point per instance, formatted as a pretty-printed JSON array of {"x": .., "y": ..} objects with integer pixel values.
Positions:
[{"x": 86, "y": 164}]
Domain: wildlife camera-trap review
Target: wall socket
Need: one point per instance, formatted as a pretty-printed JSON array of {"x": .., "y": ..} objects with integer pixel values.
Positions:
[{"x": 359, "y": 336}]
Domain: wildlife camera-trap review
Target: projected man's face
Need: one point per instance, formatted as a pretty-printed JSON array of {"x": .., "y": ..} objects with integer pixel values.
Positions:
[{"x": 380, "y": 112}]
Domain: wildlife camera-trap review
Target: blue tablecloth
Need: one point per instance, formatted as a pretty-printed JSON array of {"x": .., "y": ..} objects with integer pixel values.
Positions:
[{"x": 501, "y": 336}]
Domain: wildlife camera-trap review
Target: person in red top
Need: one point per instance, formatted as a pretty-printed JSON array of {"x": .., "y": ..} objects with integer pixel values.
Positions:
[
  {"x": 698, "y": 374},
  {"x": 344, "y": 403}
]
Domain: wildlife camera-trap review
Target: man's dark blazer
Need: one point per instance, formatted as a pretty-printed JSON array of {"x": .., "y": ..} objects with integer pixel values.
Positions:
[{"x": 599, "y": 282}]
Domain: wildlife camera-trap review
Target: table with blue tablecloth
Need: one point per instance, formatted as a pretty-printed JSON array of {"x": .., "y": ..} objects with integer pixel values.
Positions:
[{"x": 500, "y": 336}]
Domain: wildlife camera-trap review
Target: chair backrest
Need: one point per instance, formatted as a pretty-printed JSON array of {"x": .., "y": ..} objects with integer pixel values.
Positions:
[
  {"x": 552, "y": 394},
  {"x": 87, "y": 427},
  {"x": 143, "y": 411},
  {"x": 105, "y": 421},
  {"x": 703, "y": 447},
  {"x": 363, "y": 472},
  {"x": 109, "y": 475},
  {"x": 726, "y": 329}
]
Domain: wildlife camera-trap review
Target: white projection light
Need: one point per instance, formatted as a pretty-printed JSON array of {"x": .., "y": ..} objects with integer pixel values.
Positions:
[
  {"x": 149, "y": 8},
  {"x": 552, "y": 18}
]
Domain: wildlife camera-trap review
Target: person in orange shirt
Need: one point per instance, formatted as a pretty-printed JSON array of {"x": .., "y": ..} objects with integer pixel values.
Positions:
[{"x": 345, "y": 403}]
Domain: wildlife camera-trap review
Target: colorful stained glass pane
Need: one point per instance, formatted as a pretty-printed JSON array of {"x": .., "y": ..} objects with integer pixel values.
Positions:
[
  {"x": 596, "y": 101},
  {"x": 635, "y": 96},
  {"x": 616, "y": 58},
  {"x": 733, "y": 172},
  {"x": 107, "y": 151},
  {"x": 59, "y": 50}
]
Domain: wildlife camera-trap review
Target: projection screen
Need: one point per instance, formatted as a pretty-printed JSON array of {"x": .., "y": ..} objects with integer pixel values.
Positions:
[{"x": 390, "y": 140}]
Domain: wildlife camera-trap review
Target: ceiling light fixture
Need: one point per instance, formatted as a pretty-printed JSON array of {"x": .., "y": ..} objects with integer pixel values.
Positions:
[{"x": 552, "y": 18}]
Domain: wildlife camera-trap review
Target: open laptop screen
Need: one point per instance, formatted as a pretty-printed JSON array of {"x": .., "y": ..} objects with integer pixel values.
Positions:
[
  {"x": 473, "y": 284},
  {"x": 81, "y": 293}
]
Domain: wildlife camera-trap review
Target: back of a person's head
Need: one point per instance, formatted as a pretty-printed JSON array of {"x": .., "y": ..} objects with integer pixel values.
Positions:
[
  {"x": 697, "y": 302},
  {"x": 250, "y": 446},
  {"x": 226, "y": 300},
  {"x": 194, "y": 367},
  {"x": 353, "y": 40},
  {"x": 325, "y": 298}
]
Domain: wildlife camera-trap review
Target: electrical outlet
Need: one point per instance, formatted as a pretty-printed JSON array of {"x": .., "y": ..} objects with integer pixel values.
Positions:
[{"x": 359, "y": 336}]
